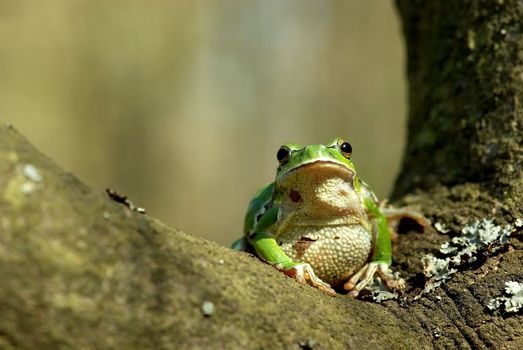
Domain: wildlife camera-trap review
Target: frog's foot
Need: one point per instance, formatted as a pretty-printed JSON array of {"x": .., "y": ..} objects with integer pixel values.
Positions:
[
  {"x": 365, "y": 275},
  {"x": 395, "y": 215},
  {"x": 303, "y": 272}
]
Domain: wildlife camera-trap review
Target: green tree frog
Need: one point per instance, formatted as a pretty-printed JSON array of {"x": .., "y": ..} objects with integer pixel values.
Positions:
[{"x": 319, "y": 223}]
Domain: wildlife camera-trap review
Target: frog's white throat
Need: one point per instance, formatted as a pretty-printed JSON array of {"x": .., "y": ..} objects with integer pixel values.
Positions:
[{"x": 320, "y": 187}]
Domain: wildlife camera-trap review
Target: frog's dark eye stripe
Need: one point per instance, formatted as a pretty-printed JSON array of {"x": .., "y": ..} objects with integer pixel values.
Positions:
[
  {"x": 345, "y": 148},
  {"x": 283, "y": 155}
]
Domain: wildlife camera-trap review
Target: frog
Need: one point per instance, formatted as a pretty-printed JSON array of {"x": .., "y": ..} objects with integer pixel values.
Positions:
[{"x": 319, "y": 223}]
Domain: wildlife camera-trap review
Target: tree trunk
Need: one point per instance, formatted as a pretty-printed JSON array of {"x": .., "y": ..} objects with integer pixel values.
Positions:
[
  {"x": 78, "y": 270},
  {"x": 464, "y": 154},
  {"x": 465, "y": 70}
]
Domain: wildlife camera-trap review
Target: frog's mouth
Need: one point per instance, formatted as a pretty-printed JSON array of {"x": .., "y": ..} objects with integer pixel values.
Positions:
[
  {"x": 323, "y": 187},
  {"x": 317, "y": 171}
]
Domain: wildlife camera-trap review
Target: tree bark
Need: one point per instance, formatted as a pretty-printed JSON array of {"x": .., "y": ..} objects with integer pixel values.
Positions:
[
  {"x": 465, "y": 71},
  {"x": 78, "y": 270},
  {"x": 464, "y": 153}
]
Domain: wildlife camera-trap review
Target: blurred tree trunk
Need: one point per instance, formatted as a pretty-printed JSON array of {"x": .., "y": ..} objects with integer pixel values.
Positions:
[{"x": 80, "y": 271}]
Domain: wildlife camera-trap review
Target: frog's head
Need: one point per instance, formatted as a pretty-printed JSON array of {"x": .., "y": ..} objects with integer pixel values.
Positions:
[{"x": 316, "y": 165}]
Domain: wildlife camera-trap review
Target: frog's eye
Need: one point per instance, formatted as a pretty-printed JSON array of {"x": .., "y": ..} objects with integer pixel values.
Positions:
[
  {"x": 345, "y": 148},
  {"x": 283, "y": 155}
]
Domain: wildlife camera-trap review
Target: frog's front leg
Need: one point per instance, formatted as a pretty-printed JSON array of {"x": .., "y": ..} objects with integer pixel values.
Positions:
[{"x": 268, "y": 250}]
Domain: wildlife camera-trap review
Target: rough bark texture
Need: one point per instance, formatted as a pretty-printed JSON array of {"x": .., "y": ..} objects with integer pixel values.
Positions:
[
  {"x": 78, "y": 270},
  {"x": 464, "y": 155},
  {"x": 465, "y": 70}
]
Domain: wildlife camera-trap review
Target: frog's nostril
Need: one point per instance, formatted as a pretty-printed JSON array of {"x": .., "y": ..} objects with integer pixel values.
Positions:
[{"x": 295, "y": 196}]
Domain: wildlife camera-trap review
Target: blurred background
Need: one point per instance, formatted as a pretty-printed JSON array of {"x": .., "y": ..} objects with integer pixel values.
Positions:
[{"x": 182, "y": 105}]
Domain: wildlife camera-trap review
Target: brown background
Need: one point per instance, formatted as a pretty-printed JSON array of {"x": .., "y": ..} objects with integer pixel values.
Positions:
[{"x": 182, "y": 104}]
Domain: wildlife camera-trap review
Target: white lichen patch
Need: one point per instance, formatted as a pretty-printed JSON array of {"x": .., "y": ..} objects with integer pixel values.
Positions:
[
  {"x": 383, "y": 295},
  {"x": 31, "y": 173},
  {"x": 208, "y": 308},
  {"x": 438, "y": 270},
  {"x": 27, "y": 188},
  {"x": 32, "y": 179},
  {"x": 513, "y": 302},
  {"x": 440, "y": 227},
  {"x": 379, "y": 291},
  {"x": 477, "y": 237},
  {"x": 25, "y": 180}
]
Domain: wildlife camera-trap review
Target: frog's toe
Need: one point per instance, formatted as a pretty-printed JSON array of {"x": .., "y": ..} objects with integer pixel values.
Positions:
[
  {"x": 360, "y": 279},
  {"x": 392, "y": 281},
  {"x": 364, "y": 277},
  {"x": 304, "y": 272}
]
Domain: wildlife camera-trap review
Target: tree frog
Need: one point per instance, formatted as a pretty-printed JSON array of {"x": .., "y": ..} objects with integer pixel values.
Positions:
[{"x": 319, "y": 222}]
